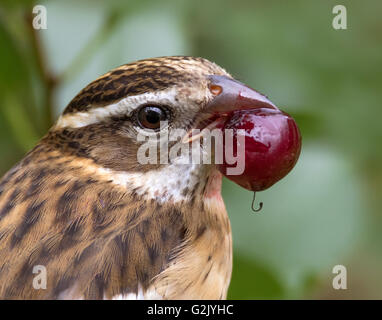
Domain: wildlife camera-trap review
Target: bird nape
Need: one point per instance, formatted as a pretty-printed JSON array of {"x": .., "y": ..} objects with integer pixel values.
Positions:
[{"x": 117, "y": 201}]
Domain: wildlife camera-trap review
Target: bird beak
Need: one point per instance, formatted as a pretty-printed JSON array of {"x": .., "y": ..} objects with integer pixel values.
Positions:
[{"x": 229, "y": 95}]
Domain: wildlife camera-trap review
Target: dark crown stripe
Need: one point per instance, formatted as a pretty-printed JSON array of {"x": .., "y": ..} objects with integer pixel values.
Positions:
[{"x": 135, "y": 78}]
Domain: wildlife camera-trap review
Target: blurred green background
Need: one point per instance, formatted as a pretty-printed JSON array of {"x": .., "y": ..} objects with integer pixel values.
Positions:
[{"x": 328, "y": 210}]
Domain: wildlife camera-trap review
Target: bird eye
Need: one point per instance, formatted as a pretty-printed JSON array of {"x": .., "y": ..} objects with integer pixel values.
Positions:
[{"x": 149, "y": 117}]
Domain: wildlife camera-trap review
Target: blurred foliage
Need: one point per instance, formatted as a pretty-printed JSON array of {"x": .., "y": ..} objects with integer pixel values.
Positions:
[{"x": 328, "y": 210}]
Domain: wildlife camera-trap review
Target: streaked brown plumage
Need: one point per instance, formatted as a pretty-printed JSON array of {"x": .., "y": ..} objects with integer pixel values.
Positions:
[
  {"x": 99, "y": 239},
  {"x": 104, "y": 225},
  {"x": 95, "y": 236}
]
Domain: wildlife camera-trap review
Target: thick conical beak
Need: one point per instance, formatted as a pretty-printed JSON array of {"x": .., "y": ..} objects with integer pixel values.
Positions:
[{"x": 231, "y": 95}]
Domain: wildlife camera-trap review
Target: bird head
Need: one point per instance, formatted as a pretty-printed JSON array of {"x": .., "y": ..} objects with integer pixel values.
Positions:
[{"x": 152, "y": 98}]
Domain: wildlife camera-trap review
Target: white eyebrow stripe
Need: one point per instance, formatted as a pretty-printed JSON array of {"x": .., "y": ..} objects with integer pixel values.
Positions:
[{"x": 122, "y": 107}]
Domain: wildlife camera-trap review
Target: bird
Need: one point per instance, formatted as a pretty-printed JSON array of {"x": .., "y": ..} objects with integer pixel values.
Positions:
[{"x": 102, "y": 224}]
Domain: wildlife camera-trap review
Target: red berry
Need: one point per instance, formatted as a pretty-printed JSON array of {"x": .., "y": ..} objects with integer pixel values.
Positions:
[{"x": 272, "y": 147}]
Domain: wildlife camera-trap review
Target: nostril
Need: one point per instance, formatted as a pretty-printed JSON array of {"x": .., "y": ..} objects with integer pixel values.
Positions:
[{"x": 215, "y": 89}]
